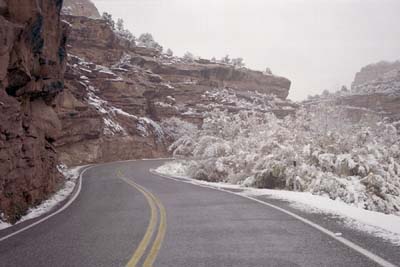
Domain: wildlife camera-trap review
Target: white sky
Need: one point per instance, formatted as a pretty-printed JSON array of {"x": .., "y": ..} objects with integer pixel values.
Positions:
[{"x": 317, "y": 44}]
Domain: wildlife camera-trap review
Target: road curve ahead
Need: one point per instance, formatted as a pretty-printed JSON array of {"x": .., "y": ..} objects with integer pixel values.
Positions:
[{"x": 127, "y": 216}]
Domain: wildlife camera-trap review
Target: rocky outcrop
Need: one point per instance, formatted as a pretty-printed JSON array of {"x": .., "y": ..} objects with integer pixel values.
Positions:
[
  {"x": 95, "y": 128},
  {"x": 379, "y": 92},
  {"x": 32, "y": 63},
  {"x": 375, "y": 91},
  {"x": 118, "y": 95},
  {"x": 80, "y": 8},
  {"x": 375, "y": 71},
  {"x": 95, "y": 41}
]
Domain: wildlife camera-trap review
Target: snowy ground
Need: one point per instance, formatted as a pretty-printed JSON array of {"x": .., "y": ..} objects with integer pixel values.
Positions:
[
  {"x": 375, "y": 223},
  {"x": 71, "y": 177}
]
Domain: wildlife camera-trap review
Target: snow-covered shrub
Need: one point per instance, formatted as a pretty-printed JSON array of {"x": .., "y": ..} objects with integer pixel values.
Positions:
[
  {"x": 147, "y": 40},
  {"x": 169, "y": 52},
  {"x": 238, "y": 62},
  {"x": 188, "y": 57},
  {"x": 318, "y": 150},
  {"x": 176, "y": 128},
  {"x": 109, "y": 19}
]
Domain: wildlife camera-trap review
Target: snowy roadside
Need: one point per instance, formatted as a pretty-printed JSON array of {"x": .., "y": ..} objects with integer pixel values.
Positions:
[
  {"x": 375, "y": 223},
  {"x": 71, "y": 177}
]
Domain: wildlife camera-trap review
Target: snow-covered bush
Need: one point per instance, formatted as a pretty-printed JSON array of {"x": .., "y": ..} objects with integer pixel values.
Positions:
[
  {"x": 188, "y": 57},
  {"x": 109, "y": 19},
  {"x": 226, "y": 60},
  {"x": 318, "y": 150},
  {"x": 147, "y": 40},
  {"x": 176, "y": 128},
  {"x": 169, "y": 52},
  {"x": 238, "y": 62}
]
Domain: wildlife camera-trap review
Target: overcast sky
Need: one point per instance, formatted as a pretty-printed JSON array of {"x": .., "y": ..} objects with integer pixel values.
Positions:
[{"x": 317, "y": 44}]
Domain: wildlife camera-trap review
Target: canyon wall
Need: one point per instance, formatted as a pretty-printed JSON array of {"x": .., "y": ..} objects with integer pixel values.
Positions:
[
  {"x": 81, "y": 8},
  {"x": 117, "y": 94},
  {"x": 32, "y": 63}
]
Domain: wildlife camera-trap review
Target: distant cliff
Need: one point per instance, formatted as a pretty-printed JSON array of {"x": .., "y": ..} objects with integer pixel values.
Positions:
[
  {"x": 80, "y": 8},
  {"x": 32, "y": 64},
  {"x": 375, "y": 90},
  {"x": 375, "y": 71}
]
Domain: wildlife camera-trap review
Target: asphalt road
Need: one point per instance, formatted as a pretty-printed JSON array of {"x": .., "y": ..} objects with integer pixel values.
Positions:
[{"x": 127, "y": 216}]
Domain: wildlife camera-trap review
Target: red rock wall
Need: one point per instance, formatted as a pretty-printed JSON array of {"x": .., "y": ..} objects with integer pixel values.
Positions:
[
  {"x": 32, "y": 63},
  {"x": 84, "y": 8}
]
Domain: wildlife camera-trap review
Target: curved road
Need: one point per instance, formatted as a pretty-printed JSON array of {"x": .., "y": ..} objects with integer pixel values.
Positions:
[{"x": 127, "y": 216}]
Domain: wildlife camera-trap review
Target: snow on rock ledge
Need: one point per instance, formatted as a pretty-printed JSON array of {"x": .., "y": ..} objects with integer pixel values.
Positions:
[{"x": 71, "y": 177}]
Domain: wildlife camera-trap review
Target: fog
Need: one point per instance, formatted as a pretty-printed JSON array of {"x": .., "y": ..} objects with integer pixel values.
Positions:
[{"x": 317, "y": 44}]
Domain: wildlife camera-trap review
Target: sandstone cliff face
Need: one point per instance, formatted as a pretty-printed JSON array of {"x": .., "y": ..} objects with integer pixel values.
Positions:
[
  {"x": 80, "y": 8},
  {"x": 118, "y": 95},
  {"x": 96, "y": 42},
  {"x": 32, "y": 62},
  {"x": 380, "y": 92},
  {"x": 374, "y": 72},
  {"x": 375, "y": 91}
]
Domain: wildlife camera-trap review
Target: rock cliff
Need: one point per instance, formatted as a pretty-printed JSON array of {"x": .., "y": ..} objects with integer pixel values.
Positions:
[
  {"x": 377, "y": 87},
  {"x": 375, "y": 90},
  {"x": 80, "y": 8},
  {"x": 375, "y": 71},
  {"x": 118, "y": 94},
  {"x": 32, "y": 63}
]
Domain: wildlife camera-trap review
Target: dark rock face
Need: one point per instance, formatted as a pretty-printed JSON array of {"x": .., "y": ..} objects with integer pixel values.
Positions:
[
  {"x": 80, "y": 8},
  {"x": 32, "y": 63}
]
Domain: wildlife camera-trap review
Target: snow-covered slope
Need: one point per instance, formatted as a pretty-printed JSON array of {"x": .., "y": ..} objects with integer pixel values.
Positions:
[{"x": 319, "y": 151}]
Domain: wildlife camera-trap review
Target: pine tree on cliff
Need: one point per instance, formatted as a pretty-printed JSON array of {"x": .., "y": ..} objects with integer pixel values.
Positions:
[
  {"x": 188, "y": 57},
  {"x": 147, "y": 40},
  {"x": 120, "y": 25},
  {"x": 169, "y": 52},
  {"x": 109, "y": 20},
  {"x": 238, "y": 62},
  {"x": 226, "y": 59}
]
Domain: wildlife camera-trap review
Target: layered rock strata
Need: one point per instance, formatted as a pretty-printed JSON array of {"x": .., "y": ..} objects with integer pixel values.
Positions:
[{"x": 32, "y": 63}]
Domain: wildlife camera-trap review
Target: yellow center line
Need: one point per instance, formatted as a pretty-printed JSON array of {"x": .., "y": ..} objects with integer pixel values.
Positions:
[
  {"x": 154, "y": 203},
  {"x": 160, "y": 235},
  {"x": 150, "y": 228}
]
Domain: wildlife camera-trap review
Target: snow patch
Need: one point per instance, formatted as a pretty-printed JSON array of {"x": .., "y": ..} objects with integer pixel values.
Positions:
[
  {"x": 71, "y": 176},
  {"x": 374, "y": 223},
  {"x": 145, "y": 125},
  {"x": 112, "y": 127}
]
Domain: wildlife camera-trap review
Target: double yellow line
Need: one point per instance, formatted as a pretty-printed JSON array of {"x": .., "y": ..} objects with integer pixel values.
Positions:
[{"x": 156, "y": 207}]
